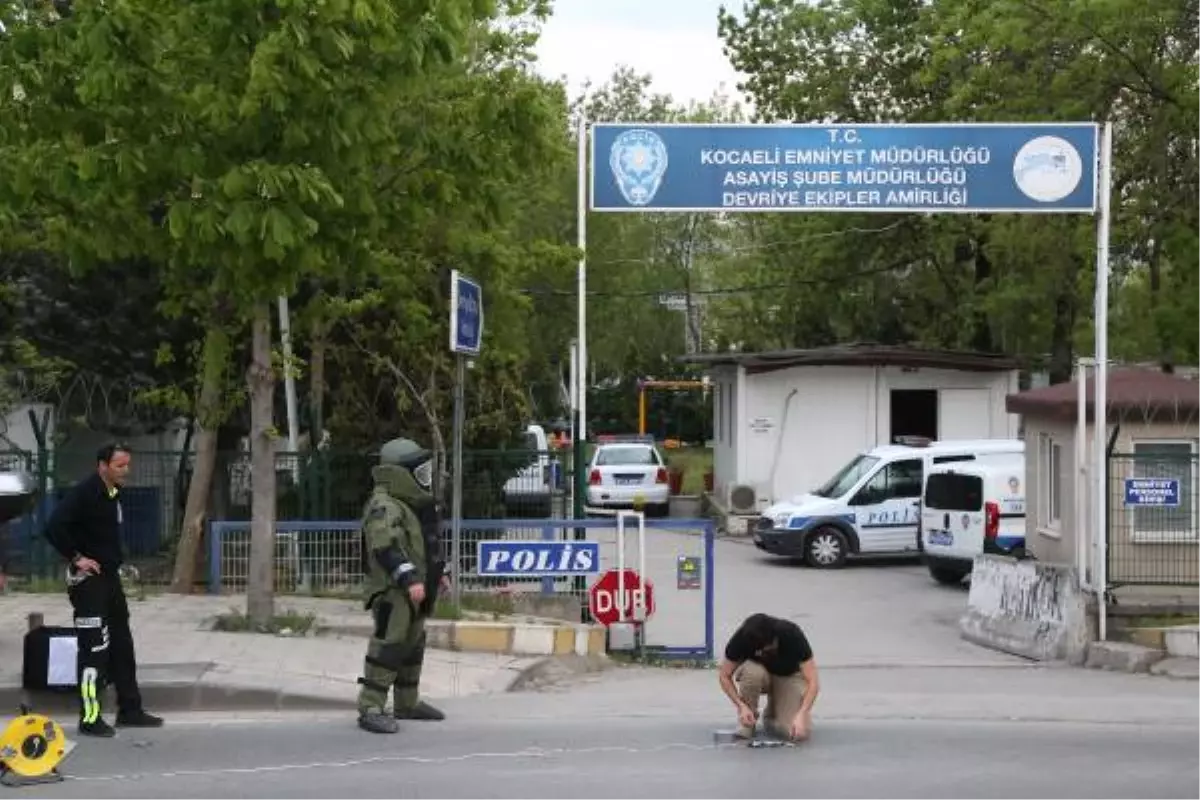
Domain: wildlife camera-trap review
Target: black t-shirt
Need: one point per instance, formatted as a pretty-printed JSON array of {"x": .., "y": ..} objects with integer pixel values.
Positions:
[{"x": 793, "y": 649}]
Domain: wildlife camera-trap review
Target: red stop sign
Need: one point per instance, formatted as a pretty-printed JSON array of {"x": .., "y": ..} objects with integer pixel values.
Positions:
[{"x": 605, "y": 600}]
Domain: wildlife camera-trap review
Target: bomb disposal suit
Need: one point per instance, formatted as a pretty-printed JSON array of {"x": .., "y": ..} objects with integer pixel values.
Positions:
[{"x": 401, "y": 543}]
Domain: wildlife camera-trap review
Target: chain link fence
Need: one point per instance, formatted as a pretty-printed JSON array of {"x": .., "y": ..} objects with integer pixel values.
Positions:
[
  {"x": 1153, "y": 516},
  {"x": 311, "y": 487}
]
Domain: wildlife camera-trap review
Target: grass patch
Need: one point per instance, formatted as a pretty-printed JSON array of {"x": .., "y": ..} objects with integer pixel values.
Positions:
[
  {"x": 496, "y": 605},
  {"x": 650, "y": 658},
  {"x": 694, "y": 461},
  {"x": 288, "y": 623}
]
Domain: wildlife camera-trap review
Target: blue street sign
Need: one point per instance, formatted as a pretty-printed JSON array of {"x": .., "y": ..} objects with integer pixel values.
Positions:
[
  {"x": 1152, "y": 492},
  {"x": 466, "y": 314},
  {"x": 955, "y": 168},
  {"x": 532, "y": 558}
]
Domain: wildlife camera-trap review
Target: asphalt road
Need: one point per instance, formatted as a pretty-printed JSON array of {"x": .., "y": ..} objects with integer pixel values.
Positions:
[
  {"x": 878, "y": 732},
  {"x": 619, "y": 757}
]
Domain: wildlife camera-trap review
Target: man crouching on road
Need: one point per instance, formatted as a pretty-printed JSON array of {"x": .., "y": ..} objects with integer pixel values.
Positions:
[{"x": 771, "y": 656}]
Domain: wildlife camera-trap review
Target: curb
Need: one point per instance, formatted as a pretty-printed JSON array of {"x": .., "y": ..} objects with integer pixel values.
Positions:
[
  {"x": 1122, "y": 657},
  {"x": 1177, "y": 668},
  {"x": 558, "y": 669},
  {"x": 501, "y": 638},
  {"x": 176, "y": 698}
]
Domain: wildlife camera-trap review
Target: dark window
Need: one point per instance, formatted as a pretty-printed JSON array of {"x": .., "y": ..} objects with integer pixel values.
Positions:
[{"x": 951, "y": 492}]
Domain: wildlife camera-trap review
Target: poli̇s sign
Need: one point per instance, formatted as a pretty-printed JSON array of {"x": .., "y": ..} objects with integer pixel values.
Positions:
[{"x": 536, "y": 559}]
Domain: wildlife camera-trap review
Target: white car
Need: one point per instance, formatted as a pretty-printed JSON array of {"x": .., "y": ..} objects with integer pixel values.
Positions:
[{"x": 629, "y": 475}]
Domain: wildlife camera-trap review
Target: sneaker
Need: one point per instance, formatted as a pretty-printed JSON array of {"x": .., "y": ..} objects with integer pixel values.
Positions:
[
  {"x": 375, "y": 722},
  {"x": 99, "y": 729},
  {"x": 138, "y": 719},
  {"x": 421, "y": 711}
]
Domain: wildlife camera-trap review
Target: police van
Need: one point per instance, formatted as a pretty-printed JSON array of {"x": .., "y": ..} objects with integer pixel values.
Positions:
[
  {"x": 971, "y": 509},
  {"x": 872, "y": 506}
]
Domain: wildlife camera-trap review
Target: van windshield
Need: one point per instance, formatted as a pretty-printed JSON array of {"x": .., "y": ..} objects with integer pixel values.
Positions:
[
  {"x": 847, "y": 476},
  {"x": 948, "y": 491}
]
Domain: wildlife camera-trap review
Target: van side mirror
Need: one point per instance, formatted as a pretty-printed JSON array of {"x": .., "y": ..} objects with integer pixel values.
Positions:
[{"x": 18, "y": 493}]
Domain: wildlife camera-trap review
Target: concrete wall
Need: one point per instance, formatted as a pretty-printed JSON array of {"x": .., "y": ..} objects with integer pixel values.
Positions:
[{"x": 1027, "y": 608}]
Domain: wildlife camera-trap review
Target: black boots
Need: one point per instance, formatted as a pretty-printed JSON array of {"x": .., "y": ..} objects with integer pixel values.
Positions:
[{"x": 421, "y": 711}]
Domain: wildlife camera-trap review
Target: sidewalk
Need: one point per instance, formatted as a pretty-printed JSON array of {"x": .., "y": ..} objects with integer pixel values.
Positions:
[{"x": 185, "y": 666}]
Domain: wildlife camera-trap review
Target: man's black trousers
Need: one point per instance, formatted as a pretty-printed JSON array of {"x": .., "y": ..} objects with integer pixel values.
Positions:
[{"x": 105, "y": 645}]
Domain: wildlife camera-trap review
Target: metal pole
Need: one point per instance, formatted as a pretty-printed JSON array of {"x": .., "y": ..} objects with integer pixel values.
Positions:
[
  {"x": 574, "y": 394},
  {"x": 642, "y": 409},
  {"x": 621, "y": 566},
  {"x": 289, "y": 384},
  {"x": 1081, "y": 471},
  {"x": 1101, "y": 413},
  {"x": 581, "y": 425},
  {"x": 456, "y": 496},
  {"x": 582, "y": 229}
]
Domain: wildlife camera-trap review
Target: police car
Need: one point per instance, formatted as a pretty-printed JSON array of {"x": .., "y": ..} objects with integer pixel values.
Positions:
[
  {"x": 970, "y": 509},
  {"x": 872, "y": 506}
]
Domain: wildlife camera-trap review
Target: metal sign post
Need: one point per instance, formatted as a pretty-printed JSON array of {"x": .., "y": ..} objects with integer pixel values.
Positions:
[{"x": 466, "y": 334}]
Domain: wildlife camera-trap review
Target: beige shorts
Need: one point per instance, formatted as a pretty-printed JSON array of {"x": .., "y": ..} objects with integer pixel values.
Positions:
[{"x": 785, "y": 695}]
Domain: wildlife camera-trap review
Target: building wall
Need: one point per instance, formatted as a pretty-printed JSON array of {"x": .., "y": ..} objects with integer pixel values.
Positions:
[
  {"x": 1050, "y": 536},
  {"x": 724, "y": 382},
  {"x": 1135, "y": 555},
  {"x": 801, "y": 424},
  {"x": 785, "y": 447}
]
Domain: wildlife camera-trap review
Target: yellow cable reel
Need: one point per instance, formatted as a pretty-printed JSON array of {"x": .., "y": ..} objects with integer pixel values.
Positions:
[{"x": 32, "y": 747}]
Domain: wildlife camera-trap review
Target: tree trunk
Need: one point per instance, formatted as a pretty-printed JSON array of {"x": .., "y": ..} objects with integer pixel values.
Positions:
[
  {"x": 215, "y": 359},
  {"x": 260, "y": 379}
]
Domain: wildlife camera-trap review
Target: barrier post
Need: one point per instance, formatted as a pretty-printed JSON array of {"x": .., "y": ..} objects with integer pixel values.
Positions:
[{"x": 548, "y": 535}]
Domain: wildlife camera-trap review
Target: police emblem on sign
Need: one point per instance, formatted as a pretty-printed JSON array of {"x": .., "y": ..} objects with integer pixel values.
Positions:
[{"x": 638, "y": 159}]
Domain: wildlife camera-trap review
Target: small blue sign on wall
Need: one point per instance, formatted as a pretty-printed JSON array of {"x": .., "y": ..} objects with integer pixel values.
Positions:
[
  {"x": 531, "y": 558},
  {"x": 1152, "y": 492},
  {"x": 466, "y": 314}
]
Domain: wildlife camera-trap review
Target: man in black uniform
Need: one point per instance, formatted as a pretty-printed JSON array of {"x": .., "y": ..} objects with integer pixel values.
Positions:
[
  {"x": 771, "y": 656},
  {"x": 85, "y": 529}
]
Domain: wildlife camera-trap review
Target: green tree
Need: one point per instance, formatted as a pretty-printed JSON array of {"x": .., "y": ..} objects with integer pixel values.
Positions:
[{"x": 241, "y": 141}]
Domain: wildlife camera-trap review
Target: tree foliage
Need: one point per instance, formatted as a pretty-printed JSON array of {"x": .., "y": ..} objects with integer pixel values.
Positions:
[{"x": 1020, "y": 285}]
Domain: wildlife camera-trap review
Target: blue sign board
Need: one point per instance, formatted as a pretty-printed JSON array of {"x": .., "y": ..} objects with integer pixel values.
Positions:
[
  {"x": 963, "y": 168},
  {"x": 466, "y": 314},
  {"x": 531, "y": 558},
  {"x": 1152, "y": 492}
]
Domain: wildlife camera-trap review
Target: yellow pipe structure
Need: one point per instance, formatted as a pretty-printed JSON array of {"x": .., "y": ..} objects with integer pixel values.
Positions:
[{"x": 644, "y": 385}]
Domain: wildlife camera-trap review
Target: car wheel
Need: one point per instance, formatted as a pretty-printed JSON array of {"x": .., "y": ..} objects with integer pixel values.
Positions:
[
  {"x": 947, "y": 575},
  {"x": 825, "y": 548}
]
